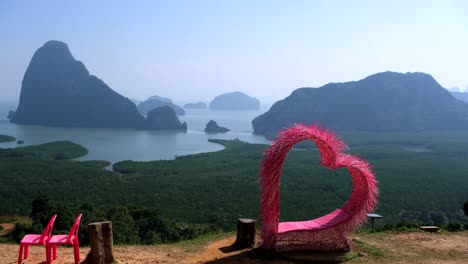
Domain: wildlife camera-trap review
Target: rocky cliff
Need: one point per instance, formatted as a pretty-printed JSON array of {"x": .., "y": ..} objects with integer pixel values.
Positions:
[{"x": 58, "y": 90}]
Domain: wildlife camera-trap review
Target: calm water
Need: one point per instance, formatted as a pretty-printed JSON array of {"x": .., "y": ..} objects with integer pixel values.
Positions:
[{"x": 128, "y": 144}]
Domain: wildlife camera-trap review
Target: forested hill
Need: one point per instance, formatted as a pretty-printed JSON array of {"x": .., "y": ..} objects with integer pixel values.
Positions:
[{"x": 387, "y": 101}]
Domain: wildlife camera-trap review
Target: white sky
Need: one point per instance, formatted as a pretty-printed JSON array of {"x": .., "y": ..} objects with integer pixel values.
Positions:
[{"x": 195, "y": 50}]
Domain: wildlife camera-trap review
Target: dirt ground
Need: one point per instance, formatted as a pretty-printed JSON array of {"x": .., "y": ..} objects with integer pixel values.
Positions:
[
  {"x": 7, "y": 228},
  {"x": 412, "y": 247}
]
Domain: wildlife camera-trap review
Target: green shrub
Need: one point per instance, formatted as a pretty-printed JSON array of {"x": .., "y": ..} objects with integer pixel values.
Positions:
[
  {"x": 387, "y": 227},
  {"x": 219, "y": 187},
  {"x": 405, "y": 226},
  {"x": 453, "y": 227},
  {"x": 131, "y": 225},
  {"x": 22, "y": 229}
]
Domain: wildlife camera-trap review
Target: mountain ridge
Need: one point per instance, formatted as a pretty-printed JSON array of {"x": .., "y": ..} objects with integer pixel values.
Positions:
[{"x": 386, "y": 101}]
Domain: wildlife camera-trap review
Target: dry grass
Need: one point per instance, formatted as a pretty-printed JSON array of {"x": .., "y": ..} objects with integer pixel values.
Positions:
[
  {"x": 14, "y": 219},
  {"x": 411, "y": 247}
]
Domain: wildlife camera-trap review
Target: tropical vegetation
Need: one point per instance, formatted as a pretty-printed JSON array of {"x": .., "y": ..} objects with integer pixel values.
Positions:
[{"x": 422, "y": 181}]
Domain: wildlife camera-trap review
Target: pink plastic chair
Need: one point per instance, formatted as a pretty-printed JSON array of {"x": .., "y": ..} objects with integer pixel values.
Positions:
[
  {"x": 35, "y": 239},
  {"x": 71, "y": 238}
]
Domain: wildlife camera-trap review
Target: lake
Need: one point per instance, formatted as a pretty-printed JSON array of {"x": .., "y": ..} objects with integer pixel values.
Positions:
[{"x": 142, "y": 145}]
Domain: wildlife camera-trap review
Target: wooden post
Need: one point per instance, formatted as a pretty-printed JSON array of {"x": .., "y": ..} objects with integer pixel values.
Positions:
[
  {"x": 101, "y": 243},
  {"x": 246, "y": 229}
]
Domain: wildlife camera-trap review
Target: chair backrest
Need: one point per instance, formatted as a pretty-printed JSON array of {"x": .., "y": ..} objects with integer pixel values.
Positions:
[
  {"x": 75, "y": 228},
  {"x": 47, "y": 233}
]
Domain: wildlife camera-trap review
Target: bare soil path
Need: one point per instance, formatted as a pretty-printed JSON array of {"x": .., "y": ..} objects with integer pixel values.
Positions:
[
  {"x": 7, "y": 228},
  {"x": 408, "y": 247}
]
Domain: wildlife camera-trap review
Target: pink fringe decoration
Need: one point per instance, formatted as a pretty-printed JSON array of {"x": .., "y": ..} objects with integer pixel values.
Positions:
[{"x": 327, "y": 232}]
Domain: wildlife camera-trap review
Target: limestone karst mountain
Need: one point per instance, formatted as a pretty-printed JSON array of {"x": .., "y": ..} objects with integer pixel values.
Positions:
[{"x": 386, "y": 101}]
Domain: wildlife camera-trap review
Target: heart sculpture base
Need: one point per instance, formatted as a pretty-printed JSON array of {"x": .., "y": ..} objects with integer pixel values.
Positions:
[{"x": 324, "y": 240}]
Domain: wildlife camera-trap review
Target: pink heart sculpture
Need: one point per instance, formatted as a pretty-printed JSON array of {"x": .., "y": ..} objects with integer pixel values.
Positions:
[{"x": 327, "y": 232}]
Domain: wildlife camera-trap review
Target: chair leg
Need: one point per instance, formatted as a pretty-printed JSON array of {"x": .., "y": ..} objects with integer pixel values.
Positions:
[
  {"x": 20, "y": 255},
  {"x": 26, "y": 251},
  {"x": 55, "y": 251},
  {"x": 48, "y": 256},
  {"x": 76, "y": 252}
]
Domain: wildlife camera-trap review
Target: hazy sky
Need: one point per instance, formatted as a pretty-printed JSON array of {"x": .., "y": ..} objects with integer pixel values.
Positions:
[{"x": 195, "y": 50}]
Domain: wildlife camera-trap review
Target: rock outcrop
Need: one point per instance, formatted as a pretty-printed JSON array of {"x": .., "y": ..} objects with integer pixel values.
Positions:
[
  {"x": 234, "y": 101},
  {"x": 156, "y": 101},
  {"x": 164, "y": 118},
  {"x": 212, "y": 127},
  {"x": 58, "y": 90},
  {"x": 11, "y": 114}
]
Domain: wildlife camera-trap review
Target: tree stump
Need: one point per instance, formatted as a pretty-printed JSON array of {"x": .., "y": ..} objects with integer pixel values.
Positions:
[
  {"x": 246, "y": 229},
  {"x": 101, "y": 243}
]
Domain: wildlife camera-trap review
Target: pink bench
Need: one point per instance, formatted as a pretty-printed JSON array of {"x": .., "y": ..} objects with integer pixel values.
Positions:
[{"x": 330, "y": 220}]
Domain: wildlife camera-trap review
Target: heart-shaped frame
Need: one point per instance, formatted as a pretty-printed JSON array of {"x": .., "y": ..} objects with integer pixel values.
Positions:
[{"x": 338, "y": 223}]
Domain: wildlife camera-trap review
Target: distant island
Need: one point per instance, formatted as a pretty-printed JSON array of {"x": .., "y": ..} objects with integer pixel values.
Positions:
[
  {"x": 11, "y": 114},
  {"x": 387, "y": 101},
  {"x": 157, "y": 101},
  {"x": 58, "y": 90},
  {"x": 461, "y": 96},
  {"x": 212, "y": 127},
  {"x": 7, "y": 109},
  {"x": 5, "y": 138},
  {"x": 197, "y": 105},
  {"x": 164, "y": 118},
  {"x": 135, "y": 101},
  {"x": 234, "y": 101}
]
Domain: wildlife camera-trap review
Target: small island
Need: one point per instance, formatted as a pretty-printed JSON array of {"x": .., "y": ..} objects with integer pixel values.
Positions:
[
  {"x": 197, "y": 105},
  {"x": 156, "y": 101},
  {"x": 234, "y": 101},
  {"x": 212, "y": 127},
  {"x": 164, "y": 118},
  {"x": 11, "y": 114},
  {"x": 5, "y": 138}
]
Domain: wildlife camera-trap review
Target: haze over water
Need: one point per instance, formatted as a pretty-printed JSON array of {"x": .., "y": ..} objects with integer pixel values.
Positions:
[{"x": 142, "y": 145}]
